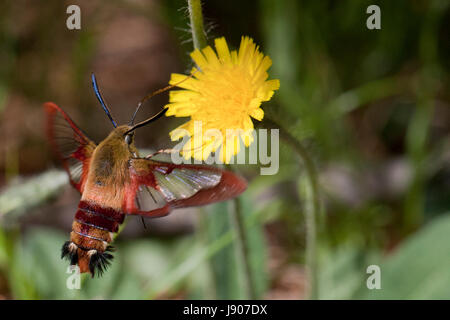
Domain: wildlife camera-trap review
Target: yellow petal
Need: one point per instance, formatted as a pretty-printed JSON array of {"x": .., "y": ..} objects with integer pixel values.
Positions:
[
  {"x": 180, "y": 109},
  {"x": 247, "y": 137},
  {"x": 257, "y": 114},
  {"x": 234, "y": 57},
  {"x": 273, "y": 84},
  {"x": 222, "y": 50},
  {"x": 226, "y": 153},
  {"x": 246, "y": 51},
  {"x": 198, "y": 142},
  {"x": 247, "y": 124},
  {"x": 199, "y": 59},
  {"x": 265, "y": 64},
  {"x": 183, "y": 81},
  {"x": 261, "y": 74},
  {"x": 232, "y": 147},
  {"x": 182, "y": 95},
  {"x": 266, "y": 91},
  {"x": 211, "y": 57}
]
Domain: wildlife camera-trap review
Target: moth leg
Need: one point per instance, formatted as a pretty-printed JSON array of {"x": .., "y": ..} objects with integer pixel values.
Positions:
[{"x": 168, "y": 151}]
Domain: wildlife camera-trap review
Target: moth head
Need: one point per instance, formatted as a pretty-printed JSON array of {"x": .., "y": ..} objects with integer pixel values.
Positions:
[
  {"x": 125, "y": 135},
  {"x": 121, "y": 139}
]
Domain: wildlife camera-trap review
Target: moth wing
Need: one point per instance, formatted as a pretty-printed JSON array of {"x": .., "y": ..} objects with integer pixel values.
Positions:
[
  {"x": 157, "y": 187},
  {"x": 70, "y": 144}
]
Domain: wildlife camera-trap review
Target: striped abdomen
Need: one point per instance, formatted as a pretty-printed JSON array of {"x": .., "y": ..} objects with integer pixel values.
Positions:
[
  {"x": 93, "y": 225},
  {"x": 90, "y": 237}
]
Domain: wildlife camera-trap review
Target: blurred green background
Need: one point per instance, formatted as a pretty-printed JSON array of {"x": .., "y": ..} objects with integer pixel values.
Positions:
[{"x": 371, "y": 107}]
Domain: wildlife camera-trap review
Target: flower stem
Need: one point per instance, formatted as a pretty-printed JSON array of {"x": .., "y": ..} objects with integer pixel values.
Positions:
[
  {"x": 237, "y": 221},
  {"x": 199, "y": 39},
  {"x": 197, "y": 28},
  {"x": 312, "y": 207}
]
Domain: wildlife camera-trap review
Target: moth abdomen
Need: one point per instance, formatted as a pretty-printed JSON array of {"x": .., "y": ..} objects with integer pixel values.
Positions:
[
  {"x": 99, "y": 217},
  {"x": 92, "y": 231}
]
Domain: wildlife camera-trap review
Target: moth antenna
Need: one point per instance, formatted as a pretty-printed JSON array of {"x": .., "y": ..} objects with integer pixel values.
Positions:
[
  {"x": 143, "y": 123},
  {"x": 102, "y": 102},
  {"x": 155, "y": 93}
]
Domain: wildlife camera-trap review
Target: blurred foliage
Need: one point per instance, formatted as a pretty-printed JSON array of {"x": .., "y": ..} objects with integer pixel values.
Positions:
[
  {"x": 372, "y": 107},
  {"x": 22, "y": 196}
]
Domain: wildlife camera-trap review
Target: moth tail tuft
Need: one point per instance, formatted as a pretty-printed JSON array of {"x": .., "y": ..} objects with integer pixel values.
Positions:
[
  {"x": 69, "y": 252},
  {"x": 100, "y": 261}
]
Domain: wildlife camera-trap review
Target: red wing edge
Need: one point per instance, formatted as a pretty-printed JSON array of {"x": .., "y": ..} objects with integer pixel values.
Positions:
[{"x": 70, "y": 144}]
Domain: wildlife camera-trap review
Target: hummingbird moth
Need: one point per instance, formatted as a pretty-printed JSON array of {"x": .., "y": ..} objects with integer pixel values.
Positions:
[{"x": 114, "y": 181}]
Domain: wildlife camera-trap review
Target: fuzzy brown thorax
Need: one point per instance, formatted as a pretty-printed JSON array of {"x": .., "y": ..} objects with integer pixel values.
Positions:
[{"x": 108, "y": 171}]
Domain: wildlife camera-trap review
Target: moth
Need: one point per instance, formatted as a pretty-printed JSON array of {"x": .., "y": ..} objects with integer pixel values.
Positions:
[{"x": 114, "y": 181}]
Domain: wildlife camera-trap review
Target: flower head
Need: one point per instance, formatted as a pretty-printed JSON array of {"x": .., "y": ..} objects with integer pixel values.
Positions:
[{"x": 224, "y": 94}]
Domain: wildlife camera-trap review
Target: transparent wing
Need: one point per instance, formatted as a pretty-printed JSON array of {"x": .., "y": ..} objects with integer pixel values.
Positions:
[{"x": 157, "y": 187}]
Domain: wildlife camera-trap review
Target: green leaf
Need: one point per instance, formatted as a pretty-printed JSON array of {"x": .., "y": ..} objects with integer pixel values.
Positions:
[
  {"x": 37, "y": 271},
  {"x": 342, "y": 271},
  {"x": 419, "y": 268},
  {"x": 224, "y": 264},
  {"x": 226, "y": 267}
]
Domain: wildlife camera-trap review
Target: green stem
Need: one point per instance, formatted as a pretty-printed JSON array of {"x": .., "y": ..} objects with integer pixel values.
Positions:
[
  {"x": 237, "y": 221},
  {"x": 182, "y": 270},
  {"x": 199, "y": 38},
  {"x": 418, "y": 134},
  {"x": 197, "y": 28},
  {"x": 312, "y": 207}
]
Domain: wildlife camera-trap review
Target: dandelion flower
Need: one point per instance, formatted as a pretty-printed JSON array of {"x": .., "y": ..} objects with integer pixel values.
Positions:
[{"x": 224, "y": 93}]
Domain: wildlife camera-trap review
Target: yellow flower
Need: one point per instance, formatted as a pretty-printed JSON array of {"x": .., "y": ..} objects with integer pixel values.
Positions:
[{"x": 224, "y": 93}]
